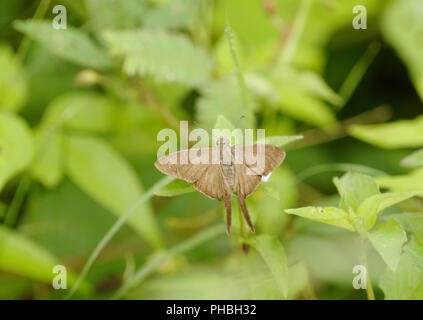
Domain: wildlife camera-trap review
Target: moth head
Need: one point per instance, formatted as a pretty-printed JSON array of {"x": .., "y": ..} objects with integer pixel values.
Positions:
[{"x": 223, "y": 142}]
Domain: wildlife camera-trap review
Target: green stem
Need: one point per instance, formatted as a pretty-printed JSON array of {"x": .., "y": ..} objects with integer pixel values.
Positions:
[
  {"x": 240, "y": 77},
  {"x": 18, "y": 198},
  {"x": 150, "y": 266},
  {"x": 363, "y": 256},
  {"x": 113, "y": 230}
]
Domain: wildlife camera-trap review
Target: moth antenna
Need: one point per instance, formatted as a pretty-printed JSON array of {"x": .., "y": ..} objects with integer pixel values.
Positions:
[{"x": 240, "y": 118}]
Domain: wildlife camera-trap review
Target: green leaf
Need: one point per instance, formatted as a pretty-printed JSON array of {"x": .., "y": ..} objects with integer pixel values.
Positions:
[
  {"x": 173, "y": 14},
  {"x": 85, "y": 111},
  {"x": 16, "y": 146},
  {"x": 415, "y": 249},
  {"x": 71, "y": 44},
  {"x": 403, "y": 284},
  {"x": 354, "y": 188},
  {"x": 410, "y": 182},
  {"x": 20, "y": 255},
  {"x": 297, "y": 105},
  {"x": 401, "y": 25},
  {"x": 115, "y": 14},
  {"x": 13, "y": 85},
  {"x": 373, "y": 205},
  {"x": 175, "y": 188},
  {"x": 216, "y": 97},
  {"x": 169, "y": 57},
  {"x": 103, "y": 174},
  {"x": 270, "y": 189},
  {"x": 328, "y": 215},
  {"x": 280, "y": 141},
  {"x": 397, "y": 134},
  {"x": 48, "y": 165},
  {"x": 273, "y": 254},
  {"x": 414, "y": 160},
  {"x": 411, "y": 222},
  {"x": 388, "y": 238}
]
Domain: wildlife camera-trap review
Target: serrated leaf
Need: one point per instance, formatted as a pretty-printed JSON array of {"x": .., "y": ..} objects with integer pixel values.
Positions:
[
  {"x": 392, "y": 135},
  {"x": 169, "y": 57},
  {"x": 402, "y": 25},
  {"x": 414, "y": 160},
  {"x": 373, "y": 205},
  {"x": 329, "y": 215},
  {"x": 273, "y": 254},
  {"x": 173, "y": 14},
  {"x": 280, "y": 141},
  {"x": 71, "y": 44},
  {"x": 222, "y": 98},
  {"x": 115, "y": 14},
  {"x": 175, "y": 188},
  {"x": 16, "y": 146},
  {"x": 388, "y": 238},
  {"x": 13, "y": 85},
  {"x": 354, "y": 188},
  {"x": 106, "y": 176}
]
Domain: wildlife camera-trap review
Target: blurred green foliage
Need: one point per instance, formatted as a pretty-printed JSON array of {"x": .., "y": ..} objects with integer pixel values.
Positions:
[{"x": 81, "y": 107}]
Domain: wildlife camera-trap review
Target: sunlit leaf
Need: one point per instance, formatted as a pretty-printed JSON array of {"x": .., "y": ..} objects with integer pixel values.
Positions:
[
  {"x": 388, "y": 238},
  {"x": 354, "y": 188},
  {"x": 414, "y": 160},
  {"x": 328, "y": 215},
  {"x": 398, "y": 134},
  {"x": 280, "y": 141},
  {"x": 13, "y": 85},
  {"x": 16, "y": 146},
  {"x": 410, "y": 182},
  {"x": 372, "y": 206}
]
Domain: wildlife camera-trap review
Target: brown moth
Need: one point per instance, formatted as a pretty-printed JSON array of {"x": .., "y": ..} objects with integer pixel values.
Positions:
[{"x": 224, "y": 170}]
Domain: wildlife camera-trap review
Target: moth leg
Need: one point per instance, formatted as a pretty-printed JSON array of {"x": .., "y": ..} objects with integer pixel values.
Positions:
[
  {"x": 228, "y": 206},
  {"x": 244, "y": 210}
]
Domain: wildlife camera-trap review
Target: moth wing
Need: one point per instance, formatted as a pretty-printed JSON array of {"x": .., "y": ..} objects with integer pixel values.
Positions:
[
  {"x": 248, "y": 173},
  {"x": 206, "y": 176}
]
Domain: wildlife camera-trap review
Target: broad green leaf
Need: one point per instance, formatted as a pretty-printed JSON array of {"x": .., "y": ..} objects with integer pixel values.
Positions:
[
  {"x": 388, "y": 238},
  {"x": 373, "y": 205},
  {"x": 223, "y": 123},
  {"x": 216, "y": 98},
  {"x": 169, "y": 57},
  {"x": 414, "y": 160},
  {"x": 403, "y": 284},
  {"x": 13, "y": 85},
  {"x": 16, "y": 146},
  {"x": 48, "y": 164},
  {"x": 410, "y": 182},
  {"x": 85, "y": 111},
  {"x": 354, "y": 188},
  {"x": 273, "y": 254},
  {"x": 175, "y": 188},
  {"x": 300, "y": 106},
  {"x": 415, "y": 249},
  {"x": 328, "y": 215},
  {"x": 115, "y": 14},
  {"x": 280, "y": 141},
  {"x": 401, "y": 25},
  {"x": 411, "y": 222},
  {"x": 71, "y": 44},
  {"x": 398, "y": 134},
  {"x": 106, "y": 176},
  {"x": 20, "y": 255}
]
